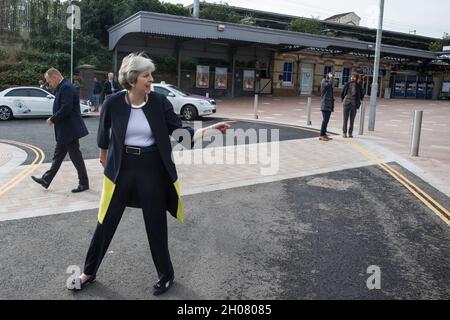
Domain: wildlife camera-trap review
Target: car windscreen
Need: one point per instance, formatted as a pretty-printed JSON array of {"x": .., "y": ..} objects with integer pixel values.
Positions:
[{"x": 179, "y": 91}]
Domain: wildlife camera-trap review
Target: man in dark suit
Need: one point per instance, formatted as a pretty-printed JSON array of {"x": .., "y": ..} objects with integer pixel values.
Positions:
[
  {"x": 110, "y": 86},
  {"x": 69, "y": 128}
]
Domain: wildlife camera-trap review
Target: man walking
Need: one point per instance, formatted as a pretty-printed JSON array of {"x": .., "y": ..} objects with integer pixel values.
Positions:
[
  {"x": 351, "y": 95},
  {"x": 327, "y": 104},
  {"x": 69, "y": 128}
]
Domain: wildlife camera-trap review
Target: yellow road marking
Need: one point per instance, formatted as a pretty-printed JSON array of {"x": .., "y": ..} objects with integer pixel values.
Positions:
[
  {"x": 429, "y": 198},
  {"x": 40, "y": 156},
  {"x": 420, "y": 194}
]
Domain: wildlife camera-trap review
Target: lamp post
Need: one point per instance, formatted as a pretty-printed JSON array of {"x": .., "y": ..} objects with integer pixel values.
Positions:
[
  {"x": 73, "y": 22},
  {"x": 374, "y": 93},
  {"x": 72, "y": 17}
]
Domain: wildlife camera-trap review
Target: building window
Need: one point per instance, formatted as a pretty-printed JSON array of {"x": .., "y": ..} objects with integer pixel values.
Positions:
[
  {"x": 327, "y": 70},
  {"x": 345, "y": 75},
  {"x": 288, "y": 69}
]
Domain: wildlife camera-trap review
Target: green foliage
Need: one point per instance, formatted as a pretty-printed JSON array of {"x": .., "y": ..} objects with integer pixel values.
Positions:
[
  {"x": 45, "y": 42},
  {"x": 251, "y": 21},
  {"x": 27, "y": 66},
  {"x": 219, "y": 12},
  {"x": 166, "y": 64},
  {"x": 439, "y": 44},
  {"x": 312, "y": 26},
  {"x": 3, "y": 54},
  {"x": 189, "y": 63},
  {"x": 176, "y": 9}
]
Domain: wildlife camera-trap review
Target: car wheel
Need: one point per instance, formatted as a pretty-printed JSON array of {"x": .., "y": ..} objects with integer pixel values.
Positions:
[
  {"x": 5, "y": 113},
  {"x": 189, "y": 113}
]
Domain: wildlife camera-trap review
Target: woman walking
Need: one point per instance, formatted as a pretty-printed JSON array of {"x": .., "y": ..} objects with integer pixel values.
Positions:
[{"x": 135, "y": 151}]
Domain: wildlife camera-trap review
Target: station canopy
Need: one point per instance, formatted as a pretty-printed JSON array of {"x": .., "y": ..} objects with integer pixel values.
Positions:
[{"x": 127, "y": 36}]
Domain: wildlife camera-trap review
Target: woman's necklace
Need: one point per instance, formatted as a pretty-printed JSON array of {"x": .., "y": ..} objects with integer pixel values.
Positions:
[{"x": 136, "y": 106}]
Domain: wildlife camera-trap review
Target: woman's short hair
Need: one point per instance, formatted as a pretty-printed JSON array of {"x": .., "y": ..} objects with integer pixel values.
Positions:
[
  {"x": 132, "y": 66},
  {"x": 355, "y": 75}
]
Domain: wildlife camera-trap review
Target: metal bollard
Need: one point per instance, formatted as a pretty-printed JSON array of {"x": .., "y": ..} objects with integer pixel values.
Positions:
[
  {"x": 308, "y": 108},
  {"x": 255, "y": 107},
  {"x": 362, "y": 114},
  {"x": 417, "y": 127}
]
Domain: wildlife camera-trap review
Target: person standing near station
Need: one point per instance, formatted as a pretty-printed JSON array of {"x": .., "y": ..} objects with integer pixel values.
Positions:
[
  {"x": 135, "y": 150},
  {"x": 96, "y": 94},
  {"x": 110, "y": 87},
  {"x": 352, "y": 95},
  {"x": 327, "y": 104},
  {"x": 69, "y": 128}
]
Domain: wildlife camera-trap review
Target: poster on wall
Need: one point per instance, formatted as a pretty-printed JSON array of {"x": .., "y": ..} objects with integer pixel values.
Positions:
[
  {"x": 446, "y": 87},
  {"x": 202, "y": 79},
  {"x": 249, "y": 80},
  {"x": 221, "y": 78}
]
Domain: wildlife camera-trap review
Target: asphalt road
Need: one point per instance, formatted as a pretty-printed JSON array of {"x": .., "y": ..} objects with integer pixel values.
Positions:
[
  {"x": 304, "y": 238},
  {"x": 37, "y": 133}
]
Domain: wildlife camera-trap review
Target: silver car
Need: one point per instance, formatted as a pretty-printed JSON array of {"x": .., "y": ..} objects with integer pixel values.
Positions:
[{"x": 24, "y": 102}]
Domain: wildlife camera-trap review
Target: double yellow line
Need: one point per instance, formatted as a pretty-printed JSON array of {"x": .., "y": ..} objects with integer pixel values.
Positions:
[
  {"x": 40, "y": 156},
  {"x": 434, "y": 206}
]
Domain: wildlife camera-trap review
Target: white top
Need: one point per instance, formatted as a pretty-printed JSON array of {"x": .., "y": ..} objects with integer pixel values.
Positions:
[{"x": 139, "y": 133}]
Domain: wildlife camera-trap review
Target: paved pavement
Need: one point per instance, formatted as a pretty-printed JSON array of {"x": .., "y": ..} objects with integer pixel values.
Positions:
[
  {"x": 393, "y": 127},
  {"x": 304, "y": 221}
]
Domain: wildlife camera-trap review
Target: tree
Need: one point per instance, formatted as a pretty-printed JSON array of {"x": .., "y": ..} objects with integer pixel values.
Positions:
[
  {"x": 249, "y": 20},
  {"x": 219, "y": 12},
  {"x": 176, "y": 9},
  {"x": 305, "y": 25},
  {"x": 437, "y": 46}
]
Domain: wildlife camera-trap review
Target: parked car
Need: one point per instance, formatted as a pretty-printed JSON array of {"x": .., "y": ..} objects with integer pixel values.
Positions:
[
  {"x": 24, "y": 102},
  {"x": 188, "y": 106}
]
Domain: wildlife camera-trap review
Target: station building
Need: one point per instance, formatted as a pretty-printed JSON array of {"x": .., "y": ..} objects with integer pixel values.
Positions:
[{"x": 228, "y": 59}]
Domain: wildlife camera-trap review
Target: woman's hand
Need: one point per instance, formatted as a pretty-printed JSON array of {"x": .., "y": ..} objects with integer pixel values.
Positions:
[
  {"x": 103, "y": 156},
  {"x": 221, "y": 126},
  {"x": 213, "y": 129}
]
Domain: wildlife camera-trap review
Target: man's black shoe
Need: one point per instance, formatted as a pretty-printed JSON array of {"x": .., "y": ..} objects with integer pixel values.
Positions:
[
  {"x": 41, "y": 181},
  {"x": 80, "y": 188}
]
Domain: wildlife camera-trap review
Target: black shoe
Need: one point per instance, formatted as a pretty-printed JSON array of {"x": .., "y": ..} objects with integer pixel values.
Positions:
[
  {"x": 161, "y": 287},
  {"x": 41, "y": 181},
  {"x": 82, "y": 284},
  {"x": 80, "y": 188}
]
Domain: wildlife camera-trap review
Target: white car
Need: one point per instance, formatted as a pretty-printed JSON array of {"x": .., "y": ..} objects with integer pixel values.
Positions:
[
  {"x": 23, "y": 102},
  {"x": 188, "y": 106}
]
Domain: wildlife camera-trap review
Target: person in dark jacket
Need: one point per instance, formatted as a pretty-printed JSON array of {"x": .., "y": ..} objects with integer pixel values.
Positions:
[
  {"x": 135, "y": 150},
  {"x": 69, "y": 128},
  {"x": 352, "y": 95},
  {"x": 110, "y": 87},
  {"x": 327, "y": 104},
  {"x": 96, "y": 94}
]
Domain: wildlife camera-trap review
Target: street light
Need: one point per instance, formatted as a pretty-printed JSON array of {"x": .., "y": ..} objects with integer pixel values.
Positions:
[
  {"x": 71, "y": 40},
  {"x": 374, "y": 93},
  {"x": 73, "y": 22}
]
